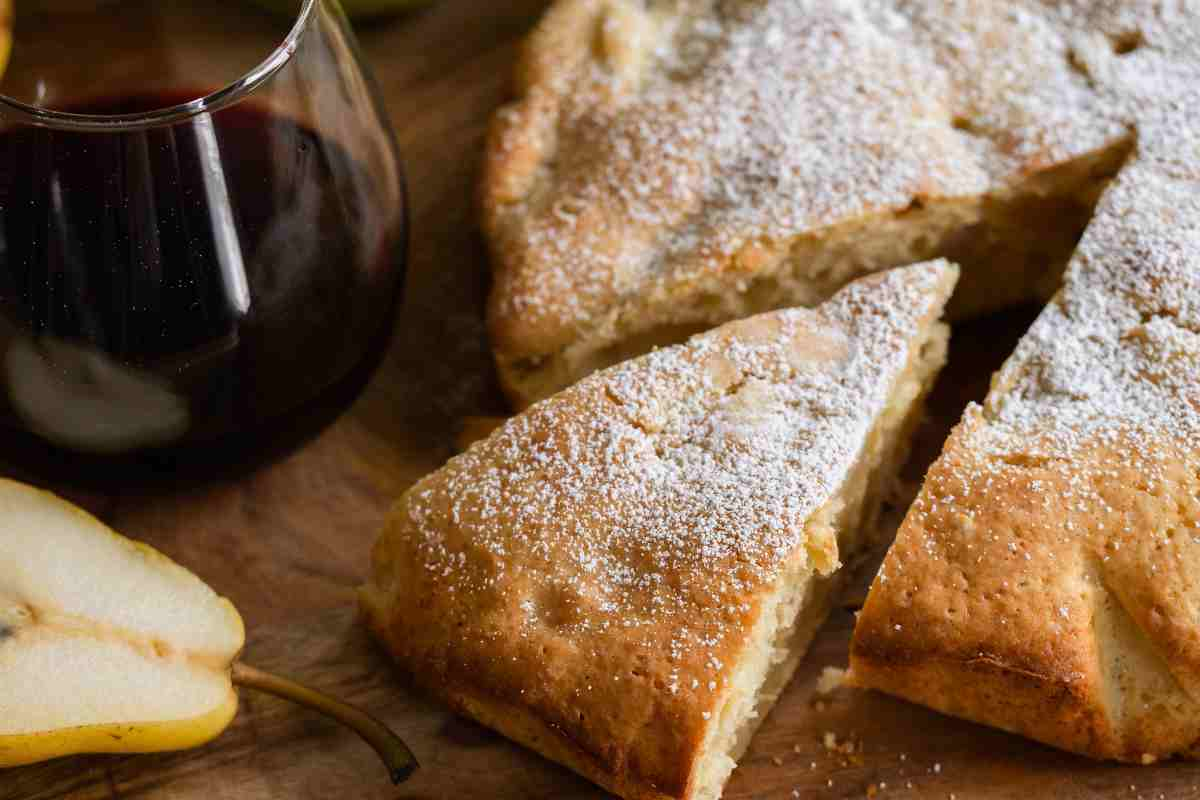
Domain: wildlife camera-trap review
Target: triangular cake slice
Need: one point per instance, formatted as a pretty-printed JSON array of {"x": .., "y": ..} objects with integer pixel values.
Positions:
[
  {"x": 625, "y": 576},
  {"x": 1045, "y": 581}
]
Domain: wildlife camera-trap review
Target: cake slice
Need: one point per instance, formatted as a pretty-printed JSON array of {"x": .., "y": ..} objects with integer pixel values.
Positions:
[
  {"x": 624, "y": 577},
  {"x": 1045, "y": 580}
]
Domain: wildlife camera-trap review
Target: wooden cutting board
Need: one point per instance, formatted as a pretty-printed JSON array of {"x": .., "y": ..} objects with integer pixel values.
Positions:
[{"x": 289, "y": 542}]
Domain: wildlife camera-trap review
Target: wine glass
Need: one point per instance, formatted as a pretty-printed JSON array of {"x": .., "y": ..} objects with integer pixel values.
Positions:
[{"x": 202, "y": 221}]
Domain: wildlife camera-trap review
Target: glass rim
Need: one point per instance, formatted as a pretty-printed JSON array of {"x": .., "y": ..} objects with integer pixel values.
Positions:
[{"x": 213, "y": 101}]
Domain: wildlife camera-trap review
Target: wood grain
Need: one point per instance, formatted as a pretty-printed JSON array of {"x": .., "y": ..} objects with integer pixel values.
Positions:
[{"x": 289, "y": 541}]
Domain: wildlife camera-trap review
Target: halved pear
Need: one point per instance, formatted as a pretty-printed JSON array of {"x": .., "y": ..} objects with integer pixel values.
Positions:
[{"x": 108, "y": 646}]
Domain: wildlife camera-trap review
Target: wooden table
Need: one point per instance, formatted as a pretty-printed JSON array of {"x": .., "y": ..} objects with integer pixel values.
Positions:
[{"x": 289, "y": 542}]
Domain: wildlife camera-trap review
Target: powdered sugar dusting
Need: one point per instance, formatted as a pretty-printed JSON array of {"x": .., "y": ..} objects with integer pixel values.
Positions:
[
  {"x": 1116, "y": 358},
  {"x": 671, "y": 488},
  {"x": 762, "y": 121},
  {"x": 1069, "y": 503}
]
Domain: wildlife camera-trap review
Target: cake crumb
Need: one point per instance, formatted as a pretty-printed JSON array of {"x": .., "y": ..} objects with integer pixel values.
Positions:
[
  {"x": 831, "y": 679},
  {"x": 847, "y": 748}
]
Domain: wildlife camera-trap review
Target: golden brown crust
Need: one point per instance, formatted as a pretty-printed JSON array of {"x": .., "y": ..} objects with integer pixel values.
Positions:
[
  {"x": 522, "y": 137},
  {"x": 600, "y": 560},
  {"x": 1044, "y": 607},
  {"x": 943, "y": 626},
  {"x": 517, "y": 722},
  {"x": 521, "y": 134}
]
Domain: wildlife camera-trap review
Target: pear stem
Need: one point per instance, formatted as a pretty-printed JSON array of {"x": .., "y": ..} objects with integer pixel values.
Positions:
[{"x": 399, "y": 760}]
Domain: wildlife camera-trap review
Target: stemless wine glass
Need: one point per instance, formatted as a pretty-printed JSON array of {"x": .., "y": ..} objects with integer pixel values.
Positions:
[{"x": 195, "y": 241}]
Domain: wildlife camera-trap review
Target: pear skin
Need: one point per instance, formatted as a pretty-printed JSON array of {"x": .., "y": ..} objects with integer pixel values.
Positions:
[
  {"x": 106, "y": 645},
  {"x": 6, "y": 29},
  {"x": 153, "y": 737}
]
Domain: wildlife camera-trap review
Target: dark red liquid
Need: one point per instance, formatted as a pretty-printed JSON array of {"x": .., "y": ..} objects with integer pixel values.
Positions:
[{"x": 179, "y": 284}]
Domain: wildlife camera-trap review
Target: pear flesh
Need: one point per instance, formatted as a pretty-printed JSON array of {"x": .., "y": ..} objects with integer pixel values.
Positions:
[{"x": 106, "y": 646}]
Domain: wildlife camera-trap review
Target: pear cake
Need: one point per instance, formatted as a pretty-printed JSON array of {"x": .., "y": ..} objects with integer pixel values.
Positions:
[
  {"x": 624, "y": 576},
  {"x": 670, "y": 165},
  {"x": 1044, "y": 581}
]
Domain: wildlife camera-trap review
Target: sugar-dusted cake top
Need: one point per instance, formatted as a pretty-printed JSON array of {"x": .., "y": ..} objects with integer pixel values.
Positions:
[
  {"x": 658, "y": 145},
  {"x": 606, "y": 552}
]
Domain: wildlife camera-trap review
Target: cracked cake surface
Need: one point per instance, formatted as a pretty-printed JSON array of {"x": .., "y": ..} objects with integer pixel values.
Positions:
[{"x": 593, "y": 578}]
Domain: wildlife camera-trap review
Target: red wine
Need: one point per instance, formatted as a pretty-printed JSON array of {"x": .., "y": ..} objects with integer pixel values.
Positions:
[{"x": 176, "y": 284}]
